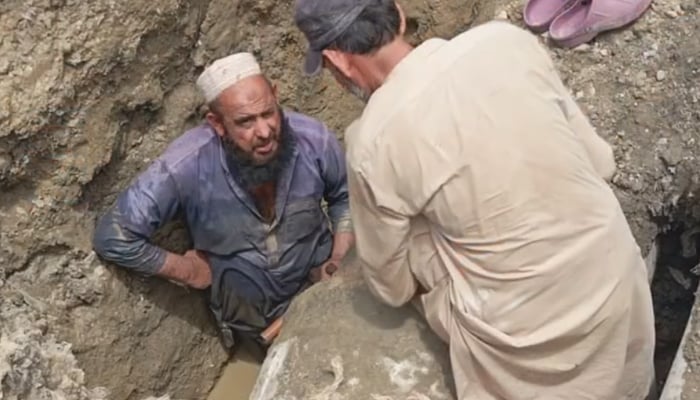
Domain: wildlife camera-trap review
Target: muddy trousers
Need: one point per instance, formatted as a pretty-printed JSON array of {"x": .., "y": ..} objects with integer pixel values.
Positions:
[{"x": 245, "y": 313}]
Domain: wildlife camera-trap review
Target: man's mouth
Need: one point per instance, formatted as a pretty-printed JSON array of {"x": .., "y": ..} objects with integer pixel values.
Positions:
[{"x": 266, "y": 149}]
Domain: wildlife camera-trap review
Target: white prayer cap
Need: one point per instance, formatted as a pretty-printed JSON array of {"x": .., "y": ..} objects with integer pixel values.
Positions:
[{"x": 225, "y": 72}]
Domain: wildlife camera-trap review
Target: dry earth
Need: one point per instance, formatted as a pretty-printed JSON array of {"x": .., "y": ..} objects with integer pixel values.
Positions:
[{"x": 91, "y": 92}]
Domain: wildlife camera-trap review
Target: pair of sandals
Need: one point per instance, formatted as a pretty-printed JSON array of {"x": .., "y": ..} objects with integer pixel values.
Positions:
[{"x": 574, "y": 22}]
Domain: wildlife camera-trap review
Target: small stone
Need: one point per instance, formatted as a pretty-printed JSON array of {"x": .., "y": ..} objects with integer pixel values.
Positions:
[
  {"x": 660, "y": 75},
  {"x": 591, "y": 91},
  {"x": 672, "y": 155},
  {"x": 5, "y": 163},
  {"x": 39, "y": 203},
  {"x": 604, "y": 52},
  {"x": 503, "y": 15},
  {"x": 582, "y": 47},
  {"x": 680, "y": 278},
  {"x": 636, "y": 185},
  {"x": 4, "y": 66},
  {"x": 671, "y": 13},
  {"x": 639, "y": 78}
]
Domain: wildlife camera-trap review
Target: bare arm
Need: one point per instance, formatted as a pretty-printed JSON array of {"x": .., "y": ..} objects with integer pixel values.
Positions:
[{"x": 342, "y": 243}]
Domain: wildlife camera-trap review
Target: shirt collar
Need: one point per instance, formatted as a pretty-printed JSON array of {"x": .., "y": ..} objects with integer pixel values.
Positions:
[{"x": 417, "y": 56}]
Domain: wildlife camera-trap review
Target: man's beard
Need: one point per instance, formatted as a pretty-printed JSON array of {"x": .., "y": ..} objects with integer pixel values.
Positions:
[
  {"x": 251, "y": 174},
  {"x": 357, "y": 92},
  {"x": 350, "y": 86}
]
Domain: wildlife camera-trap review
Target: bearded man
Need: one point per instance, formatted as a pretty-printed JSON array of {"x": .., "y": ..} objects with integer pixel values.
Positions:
[
  {"x": 479, "y": 188},
  {"x": 250, "y": 183}
]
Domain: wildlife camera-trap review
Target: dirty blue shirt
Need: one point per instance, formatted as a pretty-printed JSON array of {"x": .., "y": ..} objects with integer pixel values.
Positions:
[{"x": 271, "y": 262}]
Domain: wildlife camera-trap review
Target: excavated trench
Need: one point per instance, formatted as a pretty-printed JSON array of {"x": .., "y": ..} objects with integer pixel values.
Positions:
[
  {"x": 91, "y": 92},
  {"x": 674, "y": 286}
]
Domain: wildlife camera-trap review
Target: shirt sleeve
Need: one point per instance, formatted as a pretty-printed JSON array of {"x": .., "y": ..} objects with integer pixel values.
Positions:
[
  {"x": 381, "y": 237},
  {"x": 334, "y": 173},
  {"x": 598, "y": 150},
  {"x": 122, "y": 234}
]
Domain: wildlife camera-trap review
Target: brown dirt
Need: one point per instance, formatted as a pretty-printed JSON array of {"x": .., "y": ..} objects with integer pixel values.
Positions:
[{"x": 90, "y": 92}]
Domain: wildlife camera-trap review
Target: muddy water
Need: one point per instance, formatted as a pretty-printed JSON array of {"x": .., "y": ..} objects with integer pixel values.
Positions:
[{"x": 238, "y": 378}]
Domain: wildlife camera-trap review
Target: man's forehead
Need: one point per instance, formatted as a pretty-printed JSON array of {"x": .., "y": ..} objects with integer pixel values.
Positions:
[{"x": 250, "y": 92}]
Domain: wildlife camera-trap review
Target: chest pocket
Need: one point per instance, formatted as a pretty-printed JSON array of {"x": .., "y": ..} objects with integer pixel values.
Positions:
[{"x": 301, "y": 219}]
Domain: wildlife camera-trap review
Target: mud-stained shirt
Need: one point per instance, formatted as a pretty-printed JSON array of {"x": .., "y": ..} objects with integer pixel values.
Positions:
[{"x": 192, "y": 178}]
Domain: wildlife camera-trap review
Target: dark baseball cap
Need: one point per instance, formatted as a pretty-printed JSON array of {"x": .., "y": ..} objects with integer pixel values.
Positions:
[{"x": 323, "y": 21}]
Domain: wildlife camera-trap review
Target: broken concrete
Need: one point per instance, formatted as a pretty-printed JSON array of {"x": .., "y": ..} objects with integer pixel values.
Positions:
[{"x": 322, "y": 354}]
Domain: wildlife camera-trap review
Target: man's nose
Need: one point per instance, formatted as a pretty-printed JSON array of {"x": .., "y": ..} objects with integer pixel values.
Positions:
[{"x": 262, "y": 129}]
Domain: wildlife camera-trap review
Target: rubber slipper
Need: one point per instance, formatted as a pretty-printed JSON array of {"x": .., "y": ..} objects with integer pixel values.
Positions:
[
  {"x": 539, "y": 14},
  {"x": 586, "y": 19}
]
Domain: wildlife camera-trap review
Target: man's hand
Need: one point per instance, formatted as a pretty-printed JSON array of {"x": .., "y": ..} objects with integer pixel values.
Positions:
[
  {"x": 191, "y": 269},
  {"x": 324, "y": 271},
  {"x": 200, "y": 271}
]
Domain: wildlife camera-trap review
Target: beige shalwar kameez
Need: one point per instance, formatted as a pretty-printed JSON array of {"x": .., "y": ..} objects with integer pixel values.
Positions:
[{"x": 474, "y": 175}]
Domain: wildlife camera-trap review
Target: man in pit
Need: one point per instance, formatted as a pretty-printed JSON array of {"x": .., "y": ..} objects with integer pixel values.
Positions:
[{"x": 249, "y": 181}]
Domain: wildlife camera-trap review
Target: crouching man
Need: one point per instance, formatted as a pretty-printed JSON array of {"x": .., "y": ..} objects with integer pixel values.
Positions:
[
  {"x": 249, "y": 182},
  {"x": 479, "y": 188}
]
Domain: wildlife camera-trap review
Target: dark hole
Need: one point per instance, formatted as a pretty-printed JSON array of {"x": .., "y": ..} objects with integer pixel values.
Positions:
[
  {"x": 412, "y": 25},
  {"x": 673, "y": 291}
]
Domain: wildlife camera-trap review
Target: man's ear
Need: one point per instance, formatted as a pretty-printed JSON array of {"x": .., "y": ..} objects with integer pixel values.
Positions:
[
  {"x": 402, "y": 17},
  {"x": 339, "y": 60},
  {"x": 216, "y": 123}
]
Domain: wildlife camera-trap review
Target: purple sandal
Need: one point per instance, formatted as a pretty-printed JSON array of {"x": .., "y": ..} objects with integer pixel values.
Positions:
[
  {"x": 585, "y": 19},
  {"x": 539, "y": 14}
]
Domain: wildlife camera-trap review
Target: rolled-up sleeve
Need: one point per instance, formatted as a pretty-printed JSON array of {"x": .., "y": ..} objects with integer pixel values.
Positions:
[
  {"x": 122, "y": 235},
  {"x": 334, "y": 173}
]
